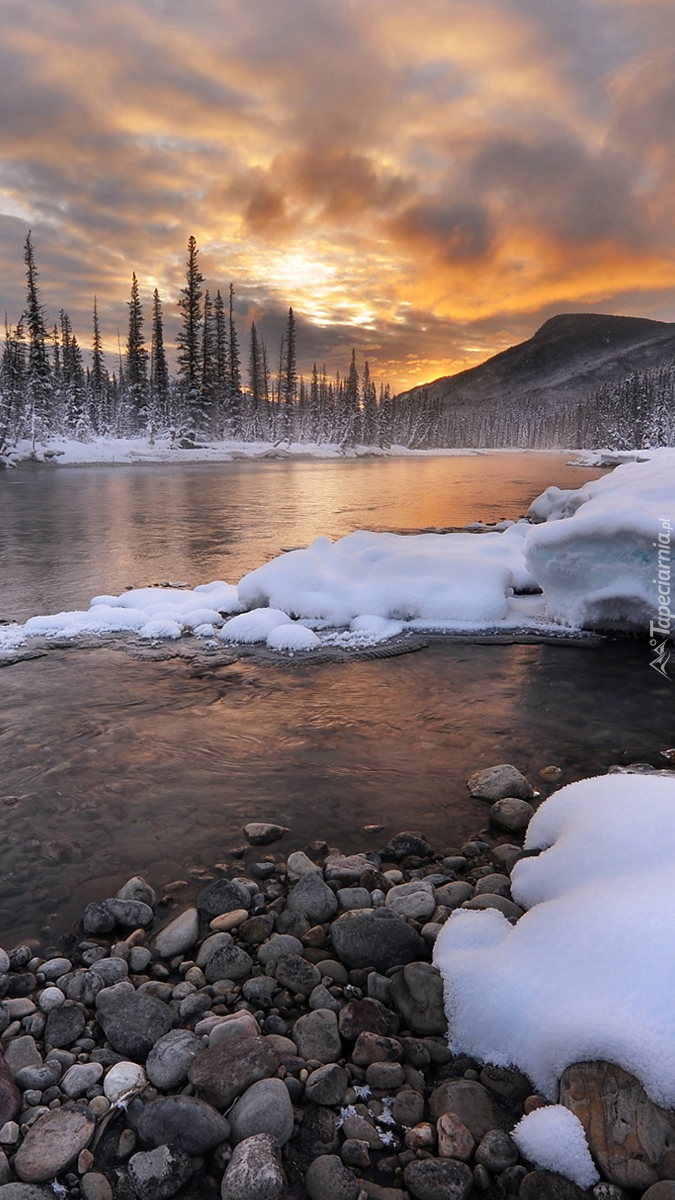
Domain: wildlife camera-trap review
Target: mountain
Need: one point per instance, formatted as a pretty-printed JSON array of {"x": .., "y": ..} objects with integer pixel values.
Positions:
[{"x": 569, "y": 357}]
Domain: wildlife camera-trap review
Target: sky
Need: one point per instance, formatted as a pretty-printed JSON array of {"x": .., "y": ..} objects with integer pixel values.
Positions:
[{"x": 425, "y": 180}]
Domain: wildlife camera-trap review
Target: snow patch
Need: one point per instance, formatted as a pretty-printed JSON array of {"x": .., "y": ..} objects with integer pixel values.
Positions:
[
  {"x": 256, "y": 626},
  {"x": 290, "y": 638},
  {"x": 555, "y": 1140}
]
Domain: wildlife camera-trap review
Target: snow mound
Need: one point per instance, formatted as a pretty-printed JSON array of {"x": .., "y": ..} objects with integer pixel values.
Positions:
[
  {"x": 554, "y": 988},
  {"x": 254, "y": 626},
  {"x": 161, "y": 627},
  {"x": 603, "y": 555},
  {"x": 292, "y": 637},
  {"x": 555, "y": 1140}
]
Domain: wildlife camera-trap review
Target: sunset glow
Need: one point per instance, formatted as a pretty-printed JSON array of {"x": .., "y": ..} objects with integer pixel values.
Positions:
[{"x": 428, "y": 182}]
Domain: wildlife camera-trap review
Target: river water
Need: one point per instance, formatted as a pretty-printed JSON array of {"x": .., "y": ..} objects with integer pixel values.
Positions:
[{"x": 112, "y": 766}]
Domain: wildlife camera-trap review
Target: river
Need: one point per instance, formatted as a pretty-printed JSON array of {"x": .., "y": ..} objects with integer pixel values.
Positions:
[{"x": 112, "y": 766}]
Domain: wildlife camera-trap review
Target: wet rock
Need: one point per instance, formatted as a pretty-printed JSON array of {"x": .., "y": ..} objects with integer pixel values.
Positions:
[
  {"x": 438, "y": 1179},
  {"x": 328, "y": 1179},
  {"x": 97, "y": 919},
  {"x": 265, "y": 1107},
  {"x": 223, "y": 1072},
  {"x": 84, "y": 986},
  {"x": 137, "y": 889},
  {"x": 254, "y": 1171},
  {"x": 111, "y": 970},
  {"x": 408, "y": 842},
  {"x": 223, "y": 896},
  {"x": 497, "y": 1151},
  {"x": 259, "y": 833},
  {"x": 279, "y": 946},
  {"x": 417, "y": 994},
  {"x": 64, "y": 1025},
  {"x": 467, "y": 1100},
  {"x": 179, "y": 935},
  {"x": 257, "y": 929},
  {"x": 170, "y": 1057},
  {"x": 347, "y": 868},
  {"x": 631, "y": 1139},
  {"x": 366, "y": 1016},
  {"x": 454, "y": 1139},
  {"x": 496, "y": 783},
  {"x": 132, "y": 1021},
  {"x": 547, "y": 1185},
  {"x": 299, "y": 864},
  {"x": 378, "y": 938},
  {"x": 511, "y": 814},
  {"x": 297, "y": 974},
  {"x": 52, "y": 1144},
  {"x": 10, "y": 1098},
  {"x": 317, "y": 1036},
  {"x": 327, "y": 1085},
  {"x": 227, "y": 961},
  {"x": 130, "y": 913},
  {"x": 312, "y": 898},
  {"x": 160, "y": 1173},
  {"x": 184, "y": 1123}
]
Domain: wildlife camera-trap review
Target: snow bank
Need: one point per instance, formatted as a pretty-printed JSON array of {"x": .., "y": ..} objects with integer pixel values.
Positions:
[
  {"x": 587, "y": 972},
  {"x": 597, "y": 555},
  {"x": 554, "y": 1138}
]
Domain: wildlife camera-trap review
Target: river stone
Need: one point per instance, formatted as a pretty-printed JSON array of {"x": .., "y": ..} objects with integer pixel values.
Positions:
[
  {"x": 136, "y": 888},
  {"x": 79, "y": 1078},
  {"x": 496, "y": 783},
  {"x": 52, "y": 1144},
  {"x": 454, "y": 1139},
  {"x": 438, "y": 1179},
  {"x": 511, "y": 814},
  {"x": 377, "y": 938},
  {"x": 259, "y": 833},
  {"x": 354, "y": 897},
  {"x": 10, "y": 1097},
  {"x": 327, "y": 1085},
  {"x": 495, "y": 884},
  {"x": 506, "y": 1081},
  {"x": 227, "y": 961},
  {"x": 256, "y": 930},
  {"x": 317, "y": 1036},
  {"x": 221, "y": 1073},
  {"x": 346, "y": 868},
  {"x": 374, "y": 1047},
  {"x": 239, "y": 1024},
  {"x": 366, "y": 1016},
  {"x": 328, "y": 1179},
  {"x": 297, "y": 974},
  {"x": 184, "y": 1123},
  {"x": 506, "y": 856},
  {"x": 25, "y": 1191},
  {"x": 664, "y": 1190},
  {"x": 511, "y": 911},
  {"x": 111, "y": 970},
  {"x": 467, "y": 1100},
  {"x": 179, "y": 935},
  {"x": 130, "y": 913},
  {"x": 83, "y": 986},
  {"x": 132, "y": 1021},
  {"x": 170, "y": 1057},
  {"x": 417, "y": 994},
  {"x": 97, "y": 919},
  {"x": 548, "y": 1185},
  {"x": 40, "y": 1078},
  {"x": 415, "y": 900},
  {"x": 408, "y": 842},
  {"x": 223, "y": 896},
  {"x": 95, "y": 1186},
  {"x": 160, "y": 1173},
  {"x": 385, "y": 1076},
  {"x": 64, "y": 1025},
  {"x": 631, "y": 1139},
  {"x": 265, "y": 1107},
  {"x": 123, "y": 1079},
  {"x": 254, "y": 1172},
  {"x": 497, "y": 1151},
  {"x": 279, "y": 946},
  {"x": 312, "y": 898}
]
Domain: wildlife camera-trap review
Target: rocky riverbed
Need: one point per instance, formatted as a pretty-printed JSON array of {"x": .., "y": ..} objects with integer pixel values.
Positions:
[{"x": 285, "y": 1038}]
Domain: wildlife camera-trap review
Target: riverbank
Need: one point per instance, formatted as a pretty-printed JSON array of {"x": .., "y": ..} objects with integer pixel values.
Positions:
[{"x": 289, "y": 1027}]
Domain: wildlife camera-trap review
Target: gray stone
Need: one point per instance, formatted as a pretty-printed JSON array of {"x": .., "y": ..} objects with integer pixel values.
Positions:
[
  {"x": 39, "y": 1077},
  {"x": 256, "y": 930},
  {"x": 374, "y": 1047},
  {"x": 130, "y": 913},
  {"x": 511, "y": 814},
  {"x": 64, "y": 1025},
  {"x": 408, "y": 842},
  {"x": 95, "y": 1186},
  {"x": 320, "y": 997},
  {"x": 132, "y": 1021},
  {"x": 452, "y": 895},
  {"x": 83, "y": 986},
  {"x": 417, "y": 994},
  {"x": 97, "y": 919},
  {"x": 415, "y": 900},
  {"x": 548, "y": 1185},
  {"x": 137, "y": 889},
  {"x": 495, "y": 884},
  {"x": 347, "y": 868},
  {"x": 224, "y": 1071},
  {"x": 170, "y": 1058},
  {"x": 179, "y": 935},
  {"x": 506, "y": 1081},
  {"x": 664, "y": 1190},
  {"x": 265, "y": 1107},
  {"x": 378, "y": 938},
  {"x": 52, "y": 1144},
  {"x": 260, "y": 833},
  {"x": 297, "y": 974},
  {"x": 611, "y": 1191},
  {"x": 317, "y": 1036},
  {"x": 438, "y": 1179},
  {"x": 259, "y": 990},
  {"x": 223, "y": 896},
  {"x": 510, "y": 910},
  {"x": 25, "y": 1191},
  {"x": 279, "y": 946},
  {"x": 21, "y": 1052},
  {"x": 53, "y": 968},
  {"x": 139, "y": 959},
  {"x": 312, "y": 898},
  {"x": 160, "y": 1173},
  {"x": 10, "y": 1099},
  {"x": 327, "y": 1085},
  {"x": 496, "y": 783},
  {"x": 227, "y": 961},
  {"x": 254, "y": 1172},
  {"x": 506, "y": 856},
  {"x": 184, "y": 1123},
  {"x": 79, "y": 1078},
  {"x": 497, "y": 1151},
  {"x": 469, "y": 1101},
  {"x": 385, "y": 1076},
  {"x": 111, "y": 970},
  {"x": 367, "y": 1015},
  {"x": 327, "y": 1178},
  {"x": 354, "y": 897}
]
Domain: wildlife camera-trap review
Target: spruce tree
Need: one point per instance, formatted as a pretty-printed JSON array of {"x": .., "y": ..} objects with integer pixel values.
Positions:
[
  {"x": 136, "y": 359},
  {"x": 98, "y": 378},
  {"x": 159, "y": 370},
  {"x": 209, "y": 364},
  {"x": 221, "y": 362},
  {"x": 38, "y": 375},
  {"x": 189, "y": 337},
  {"x": 234, "y": 365}
]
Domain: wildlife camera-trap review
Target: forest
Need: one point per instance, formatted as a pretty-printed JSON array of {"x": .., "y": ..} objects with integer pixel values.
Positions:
[{"x": 47, "y": 389}]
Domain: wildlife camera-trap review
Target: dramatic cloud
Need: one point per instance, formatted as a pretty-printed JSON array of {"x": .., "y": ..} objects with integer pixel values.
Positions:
[{"x": 428, "y": 181}]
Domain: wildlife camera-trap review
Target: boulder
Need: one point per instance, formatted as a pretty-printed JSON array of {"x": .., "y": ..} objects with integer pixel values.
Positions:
[
  {"x": 53, "y": 1144},
  {"x": 222, "y": 1072},
  {"x": 265, "y": 1107},
  {"x": 378, "y": 938},
  {"x": 184, "y": 1123}
]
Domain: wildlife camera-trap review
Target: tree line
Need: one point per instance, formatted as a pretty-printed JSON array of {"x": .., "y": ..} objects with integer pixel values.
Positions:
[{"x": 47, "y": 388}]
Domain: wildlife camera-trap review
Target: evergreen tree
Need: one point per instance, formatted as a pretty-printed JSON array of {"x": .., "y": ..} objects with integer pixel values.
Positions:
[
  {"x": 136, "y": 358},
  {"x": 234, "y": 366},
  {"x": 221, "y": 362},
  {"x": 38, "y": 375},
  {"x": 369, "y": 400},
  {"x": 288, "y": 381},
  {"x": 209, "y": 363},
  {"x": 159, "y": 369},
  {"x": 352, "y": 404},
  {"x": 189, "y": 337},
  {"x": 13, "y": 379},
  {"x": 98, "y": 378}
]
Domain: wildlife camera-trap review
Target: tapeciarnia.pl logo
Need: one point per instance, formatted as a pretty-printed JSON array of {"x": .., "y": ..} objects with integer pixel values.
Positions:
[{"x": 660, "y": 629}]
